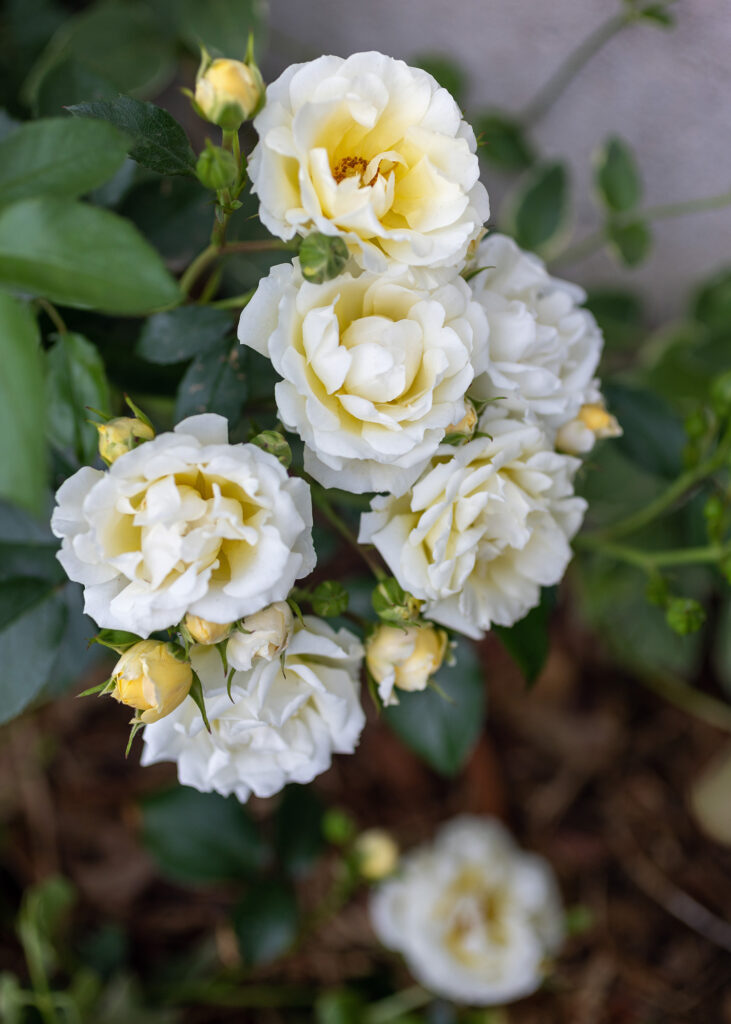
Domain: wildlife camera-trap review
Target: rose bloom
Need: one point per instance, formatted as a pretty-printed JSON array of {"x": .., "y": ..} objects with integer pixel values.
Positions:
[
  {"x": 264, "y": 634},
  {"x": 375, "y": 367},
  {"x": 184, "y": 523},
  {"x": 404, "y": 657},
  {"x": 484, "y": 528},
  {"x": 284, "y": 724},
  {"x": 543, "y": 348},
  {"x": 475, "y": 916},
  {"x": 372, "y": 150}
]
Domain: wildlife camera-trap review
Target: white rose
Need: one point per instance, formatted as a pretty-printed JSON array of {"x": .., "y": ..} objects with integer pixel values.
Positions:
[
  {"x": 375, "y": 367},
  {"x": 484, "y": 528},
  {"x": 543, "y": 348},
  {"x": 184, "y": 523},
  {"x": 372, "y": 150},
  {"x": 283, "y": 726},
  {"x": 264, "y": 634},
  {"x": 475, "y": 916}
]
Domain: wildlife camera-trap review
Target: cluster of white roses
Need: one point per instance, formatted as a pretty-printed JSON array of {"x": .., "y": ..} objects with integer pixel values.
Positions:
[{"x": 443, "y": 370}]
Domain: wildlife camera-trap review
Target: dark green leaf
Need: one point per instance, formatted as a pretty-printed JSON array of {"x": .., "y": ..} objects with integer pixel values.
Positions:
[
  {"x": 298, "y": 829},
  {"x": 617, "y": 176},
  {"x": 448, "y": 73},
  {"x": 659, "y": 14},
  {"x": 340, "y": 1006},
  {"x": 70, "y": 82},
  {"x": 528, "y": 640},
  {"x": 219, "y": 25},
  {"x": 78, "y": 255},
  {"x": 174, "y": 215},
  {"x": 58, "y": 157},
  {"x": 444, "y": 731},
  {"x": 42, "y": 915},
  {"x": 22, "y": 406},
  {"x": 630, "y": 243},
  {"x": 26, "y": 547},
  {"x": 159, "y": 142},
  {"x": 266, "y": 922},
  {"x": 712, "y": 303},
  {"x": 653, "y": 436},
  {"x": 182, "y": 334},
  {"x": 503, "y": 142},
  {"x": 214, "y": 382},
  {"x": 538, "y": 210},
  {"x": 32, "y": 622},
  {"x": 201, "y": 837},
  {"x": 76, "y": 383},
  {"x": 619, "y": 314}
]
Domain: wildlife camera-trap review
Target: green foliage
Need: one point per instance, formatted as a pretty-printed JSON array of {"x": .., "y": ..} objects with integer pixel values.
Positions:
[
  {"x": 276, "y": 444},
  {"x": 266, "y": 922},
  {"x": 322, "y": 257},
  {"x": 78, "y": 255},
  {"x": 712, "y": 302},
  {"x": 222, "y": 26},
  {"x": 158, "y": 142},
  {"x": 528, "y": 640},
  {"x": 76, "y": 382},
  {"x": 43, "y": 912},
  {"x": 214, "y": 382},
  {"x": 685, "y": 615},
  {"x": 182, "y": 334},
  {"x": 503, "y": 142},
  {"x": 339, "y": 1006},
  {"x": 22, "y": 407},
  {"x": 617, "y": 176},
  {"x": 442, "y": 725},
  {"x": 197, "y": 838},
  {"x": 58, "y": 157},
  {"x": 216, "y": 167},
  {"x": 537, "y": 212},
  {"x": 619, "y": 314},
  {"x": 653, "y": 435},
  {"x": 298, "y": 829},
  {"x": 629, "y": 242}
]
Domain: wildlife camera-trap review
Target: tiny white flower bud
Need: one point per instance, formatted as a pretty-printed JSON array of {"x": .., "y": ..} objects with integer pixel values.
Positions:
[{"x": 265, "y": 634}]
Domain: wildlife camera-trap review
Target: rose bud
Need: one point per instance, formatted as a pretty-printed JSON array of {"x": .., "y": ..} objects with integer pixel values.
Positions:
[
  {"x": 228, "y": 92},
  {"x": 153, "y": 678},
  {"x": 121, "y": 435},
  {"x": 404, "y": 657},
  {"x": 264, "y": 634},
  {"x": 201, "y": 631},
  {"x": 376, "y": 854},
  {"x": 593, "y": 423}
]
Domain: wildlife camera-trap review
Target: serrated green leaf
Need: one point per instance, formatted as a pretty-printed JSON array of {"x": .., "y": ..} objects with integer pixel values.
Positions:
[
  {"x": 617, "y": 176},
  {"x": 214, "y": 382},
  {"x": 444, "y": 731},
  {"x": 503, "y": 142},
  {"x": 158, "y": 141},
  {"x": 537, "y": 212},
  {"x": 22, "y": 406},
  {"x": 630, "y": 243},
  {"x": 265, "y": 922},
  {"x": 78, "y": 255},
  {"x": 183, "y": 333},
  {"x": 76, "y": 382},
  {"x": 58, "y": 157},
  {"x": 529, "y": 639}
]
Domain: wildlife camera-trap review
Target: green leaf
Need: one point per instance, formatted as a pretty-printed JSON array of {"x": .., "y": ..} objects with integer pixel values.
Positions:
[
  {"x": 43, "y": 913},
  {"x": 26, "y": 548},
  {"x": 341, "y": 1006},
  {"x": 712, "y": 303},
  {"x": 265, "y": 922},
  {"x": 444, "y": 731},
  {"x": 201, "y": 837},
  {"x": 617, "y": 176},
  {"x": 182, "y": 334},
  {"x": 298, "y": 829},
  {"x": 22, "y": 407},
  {"x": 58, "y": 157},
  {"x": 158, "y": 141},
  {"x": 214, "y": 382},
  {"x": 32, "y": 623},
  {"x": 630, "y": 243},
  {"x": 448, "y": 73},
  {"x": 76, "y": 382},
  {"x": 503, "y": 142},
  {"x": 529, "y": 639},
  {"x": 69, "y": 82},
  {"x": 78, "y": 255},
  {"x": 220, "y": 25},
  {"x": 537, "y": 212},
  {"x": 659, "y": 14},
  {"x": 653, "y": 435},
  {"x": 174, "y": 215},
  {"x": 619, "y": 314}
]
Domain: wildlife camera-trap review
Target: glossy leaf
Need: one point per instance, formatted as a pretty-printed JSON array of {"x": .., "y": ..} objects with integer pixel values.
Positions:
[
  {"x": 617, "y": 176},
  {"x": 58, "y": 157},
  {"x": 630, "y": 243},
  {"x": 266, "y": 922},
  {"x": 222, "y": 26},
  {"x": 214, "y": 382},
  {"x": 653, "y": 436},
  {"x": 183, "y": 333},
  {"x": 22, "y": 406},
  {"x": 443, "y": 729},
  {"x": 538, "y": 210},
  {"x": 201, "y": 837},
  {"x": 158, "y": 141},
  {"x": 26, "y": 547},
  {"x": 298, "y": 829},
  {"x": 503, "y": 142},
  {"x": 78, "y": 255},
  {"x": 76, "y": 382},
  {"x": 529, "y": 639}
]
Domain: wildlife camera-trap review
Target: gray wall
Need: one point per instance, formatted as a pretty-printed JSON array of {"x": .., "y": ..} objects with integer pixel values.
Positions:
[{"x": 667, "y": 92}]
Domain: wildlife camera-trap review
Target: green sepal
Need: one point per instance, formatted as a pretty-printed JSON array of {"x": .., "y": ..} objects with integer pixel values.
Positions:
[
  {"x": 138, "y": 412},
  {"x": 469, "y": 274},
  {"x": 101, "y": 688},
  {"x": 221, "y": 648},
  {"x": 296, "y": 609},
  {"x": 136, "y": 726},
  {"x": 196, "y": 692},
  {"x": 229, "y": 681},
  {"x": 118, "y": 640}
]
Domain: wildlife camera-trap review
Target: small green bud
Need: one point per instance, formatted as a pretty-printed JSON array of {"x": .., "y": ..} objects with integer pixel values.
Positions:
[
  {"x": 714, "y": 512},
  {"x": 393, "y": 604},
  {"x": 216, "y": 167},
  {"x": 276, "y": 444},
  {"x": 721, "y": 395},
  {"x": 322, "y": 257},
  {"x": 329, "y": 598},
  {"x": 657, "y": 591},
  {"x": 337, "y": 826},
  {"x": 685, "y": 615}
]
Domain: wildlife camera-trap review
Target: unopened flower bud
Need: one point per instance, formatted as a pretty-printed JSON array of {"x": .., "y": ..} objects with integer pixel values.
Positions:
[
  {"x": 152, "y": 677},
  {"x": 392, "y": 603},
  {"x": 121, "y": 435},
  {"x": 201, "y": 631},
  {"x": 593, "y": 423},
  {"x": 276, "y": 444},
  {"x": 228, "y": 92},
  {"x": 463, "y": 429},
  {"x": 376, "y": 853},
  {"x": 264, "y": 634},
  {"x": 404, "y": 657},
  {"x": 216, "y": 167},
  {"x": 322, "y": 257},
  {"x": 685, "y": 615}
]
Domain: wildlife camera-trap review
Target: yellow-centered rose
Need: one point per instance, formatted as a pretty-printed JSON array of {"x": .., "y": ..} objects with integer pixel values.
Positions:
[
  {"x": 404, "y": 657},
  {"x": 121, "y": 435},
  {"x": 151, "y": 678},
  {"x": 204, "y": 632},
  {"x": 228, "y": 92}
]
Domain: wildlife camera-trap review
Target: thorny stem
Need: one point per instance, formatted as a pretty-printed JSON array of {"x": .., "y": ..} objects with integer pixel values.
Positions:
[{"x": 322, "y": 503}]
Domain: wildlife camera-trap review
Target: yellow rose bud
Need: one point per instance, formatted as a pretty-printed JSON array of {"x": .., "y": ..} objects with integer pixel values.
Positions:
[
  {"x": 204, "y": 632},
  {"x": 467, "y": 424},
  {"x": 404, "y": 657},
  {"x": 151, "y": 678},
  {"x": 228, "y": 92},
  {"x": 121, "y": 435},
  {"x": 376, "y": 854},
  {"x": 592, "y": 423},
  {"x": 599, "y": 421}
]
